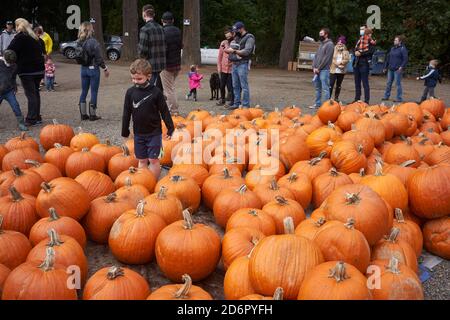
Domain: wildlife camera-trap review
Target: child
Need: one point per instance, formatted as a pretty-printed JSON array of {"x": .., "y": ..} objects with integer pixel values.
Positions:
[
  {"x": 8, "y": 85},
  {"x": 431, "y": 80},
  {"x": 50, "y": 75},
  {"x": 195, "y": 79},
  {"x": 146, "y": 104}
]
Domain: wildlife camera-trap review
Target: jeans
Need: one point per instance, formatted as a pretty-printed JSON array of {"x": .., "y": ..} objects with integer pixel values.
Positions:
[
  {"x": 194, "y": 93},
  {"x": 10, "y": 96},
  {"x": 322, "y": 84},
  {"x": 361, "y": 73},
  {"x": 90, "y": 78},
  {"x": 168, "y": 80},
  {"x": 240, "y": 85},
  {"x": 226, "y": 81},
  {"x": 50, "y": 83},
  {"x": 30, "y": 85},
  {"x": 155, "y": 80},
  {"x": 336, "y": 78},
  {"x": 426, "y": 92},
  {"x": 392, "y": 76}
]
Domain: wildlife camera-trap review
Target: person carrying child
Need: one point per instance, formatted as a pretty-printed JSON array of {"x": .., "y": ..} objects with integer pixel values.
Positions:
[
  {"x": 431, "y": 79},
  {"x": 146, "y": 105},
  {"x": 195, "y": 79},
  {"x": 50, "y": 75},
  {"x": 8, "y": 85}
]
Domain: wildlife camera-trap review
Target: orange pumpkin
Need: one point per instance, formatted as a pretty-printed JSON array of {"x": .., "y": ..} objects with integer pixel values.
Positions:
[
  {"x": 20, "y": 142},
  {"x": 14, "y": 247},
  {"x": 281, "y": 208},
  {"x": 17, "y": 158},
  {"x": 347, "y": 119},
  {"x": 184, "y": 188},
  {"x": 347, "y": 157},
  {"x": 401, "y": 152},
  {"x": 55, "y": 133},
  {"x": 360, "y": 138},
  {"x": 300, "y": 186},
  {"x": 436, "y": 234},
  {"x": 47, "y": 171},
  {"x": 252, "y": 218},
  {"x": 97, "y": 184},
  {"x": 194, "y": 171},
  {"x": 310, "y": 227},
  {"x": 25, "y": 181},
  {"x": 214, "y": 184},
  {"x": 269, "y": 191},
  {"x": 185, "y": 291},
  {"x": 121, "y": 162},
  {"x": 58, "y": 156},
  {"x": 137, "y": 176},
  {"x": 329, "y": 111},
  {"x": 323, "y": 140},
  {"x": 106, "y": 150},
  {"x": 435, "y": 106},
  {"x": 410, "y": 232},
  {"x": 326, "y": 183},
  {"x": 165, "y": 205},
  {"x": 314, "y": 167},
  {"x": 239, "y": 242},
  {"x": 84, "y": 160},
  {"x": 236, "y": 283},
  {"x": 83, "y": 140},
  {"x": 374, "y": 127},
  {"x": 19, "y": 211}
]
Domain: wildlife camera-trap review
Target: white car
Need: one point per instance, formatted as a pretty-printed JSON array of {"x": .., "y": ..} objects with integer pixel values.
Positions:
[{"x": 208, "y": 56}]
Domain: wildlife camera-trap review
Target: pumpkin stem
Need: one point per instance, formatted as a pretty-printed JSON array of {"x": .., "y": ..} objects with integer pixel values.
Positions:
[
  {"x": 17, "y": 171},
  {"x": 54, "y": 239},
  {"x": 58, "y": 145},
  {"x": 339, "y": 272},
  {"x": 281, "y": 201},
  {"x": 393, "y": 235},
  {"x": 242, "y": 189},
  {"x": 320, "y": 222},
  {"x": 408, "y": 163},
  {"x": 115, "y": 272},
  {"x": 255, "y": 241},
  {"x": 293, "y": 177},
  {"x": 1, "y": 222},
  {"x": 354, "y": 127},
  {"x": 176, "y": 178},
  {"x": 183, "y": 293},
  {"x": 132, "y": 170},
  {"x": 409, "y": 141},
  {"x": 23, "y": 136},
  {"x": 17, "y": 197},
  {"x": 253, "y": 212},
  {"x": 288, "y": 223},
  {"x": 111, "y": 197},
  {"x": 126, "y": 151},
  {"x": 399, "y": 215},
  {"x": 46, "y": 187},
  {"x": 226, "y": 173},
  {"x": 140, "y": 210},
  {"x": 393, "y": 266},
  {"x": 352, "y": 198},
  {"x": 108, "y": 143},
  {"x": 85, "y": 150},
  {"x": 360, "y": 148},
  {"x": 331, "y": 125},
  {"x": 162, "y": 194},
  {"x": 128, "y": 182},
  {"x": 378, "y": 169},
  {"x": 334, "y": 172},
  {"x": 80, "y": 130},
  {"x": 49, "y": 261},
  {"x": 423, "y": 141},
  {"x": 274, "y": 185},
  {"x": 278, "y": 295},
  {"x": 362, "y": 172},
  {"x": 350, "y": 223},
  {"x": 53, "y": 214},
  {"x": 187, "y": 217},
  {"x": 34, "y": 163},
  {"x": 55, "y": 122}
]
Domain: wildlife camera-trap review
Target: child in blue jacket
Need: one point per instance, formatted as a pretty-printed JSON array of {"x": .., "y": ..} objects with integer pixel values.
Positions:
[{"x": 431, "y": 79}]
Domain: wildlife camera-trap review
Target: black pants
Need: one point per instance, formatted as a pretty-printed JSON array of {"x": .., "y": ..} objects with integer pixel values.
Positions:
[
  {"x": 31, "y": 87},
  {"x": 226, "y": 81},
  {"x": 361, "y": 73},
  {"x": 336, "y": 78},
  {"x": 193, "y": 92},
  {"x": 426, "y": 92}
]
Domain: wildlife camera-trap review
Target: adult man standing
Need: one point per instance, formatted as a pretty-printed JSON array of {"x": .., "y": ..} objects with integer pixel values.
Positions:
[
  {"x": 396, "y": 61},
  {"x": 7, "y": 36},
  {"x": 241, "y": 50},
  {"x": 152, "y": 45},
  {"x": 174, "y": 44},
  {"x": 361, "y": 66}
]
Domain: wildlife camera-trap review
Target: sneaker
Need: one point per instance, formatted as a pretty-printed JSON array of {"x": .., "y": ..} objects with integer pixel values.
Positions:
[
  {"x": 31, "y": 124},
  {"x": 187, "y": 97},
  {"x": 221, "y": 103},
  {"x": 313, "y": 107},
  {"x": 231, "y": 107},
  {"x": 385, "y": 99}
]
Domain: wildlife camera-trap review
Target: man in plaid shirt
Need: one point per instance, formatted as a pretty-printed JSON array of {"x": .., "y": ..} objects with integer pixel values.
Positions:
[{"x": 152, "y": 45}]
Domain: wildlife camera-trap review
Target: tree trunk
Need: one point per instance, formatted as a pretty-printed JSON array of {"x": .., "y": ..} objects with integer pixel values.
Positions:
[
  {"x": 95, "y": 8},
  {"x": 191, "y": 33},
  {"x": 290, "y": 31},
  {"x": 130, "y": 29}
]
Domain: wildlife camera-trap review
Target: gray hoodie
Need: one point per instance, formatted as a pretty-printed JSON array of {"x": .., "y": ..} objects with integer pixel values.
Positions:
[
  {"x": 5, "y": 40},
  {"x": 324, "y": 55}
]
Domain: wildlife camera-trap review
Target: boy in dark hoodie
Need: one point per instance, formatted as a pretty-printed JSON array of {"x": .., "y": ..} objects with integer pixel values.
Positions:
[
  {"x": 8, "y": 85},
  {"x": 431, "y": 79}
]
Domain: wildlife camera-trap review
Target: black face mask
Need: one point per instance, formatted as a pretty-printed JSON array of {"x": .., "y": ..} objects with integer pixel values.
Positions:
[
  {"x": 238, "y": 34},
  {"x": 322, "y": 38},
  {"x": 142, "y": 86}
]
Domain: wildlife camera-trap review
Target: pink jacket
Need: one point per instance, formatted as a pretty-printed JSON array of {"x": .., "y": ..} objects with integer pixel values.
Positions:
[
  {"x": 195, "y": 79},
  {"x": 223, "y": 64}
]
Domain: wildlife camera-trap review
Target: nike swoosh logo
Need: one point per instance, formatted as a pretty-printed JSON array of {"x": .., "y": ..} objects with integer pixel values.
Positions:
[{"x": 137, "y": 105}]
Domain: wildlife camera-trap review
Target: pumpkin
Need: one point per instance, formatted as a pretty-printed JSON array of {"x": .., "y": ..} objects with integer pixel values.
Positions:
[
  {"x": 322, "y": 140},
  {"x": 362, "y": 204},
  {"x": 47, "y": 171},
  {"x": 84, "y": 160},
  {"x": 435, "y": 106},
  {"x": 165, "y": 205},
  {"x": 310, "y": 227},
  {"x": 347, "y": 119},
  {"x": 23, "y": 141},
  {"x": 17, "y": 158},
  {"x": 67, "y": 196},
  {"x": 239, "y": 242},
  {"x": 186, "y": 291},
  {"x": 389, "y": 187},
  {"x": 236, "y": 283},
  {"x": 277, "y": 296},
  {"x": 314, "y": 167},
  {"x": 347, "y": 157},
  {"x": 399, "y": 121},
  {"x": 257, "y": 177},
  {"x": 25, "y": 181},
  {"x": 334, "y": 280},
  {"x": 3, "y": 152},
  {"x": 401, "y": 152},
  {"x": 121, "y": 162},
  {"x": 63, "y": 225},
  {"x": 300, "y": 186},
  {"x": 14, "y": 247},
  {"x": 184, "y": 188},
  {"x": 342, "y": 242},
  {"x": 132, "y": 193},
  {"x": 281, "y": 208},
  {"x": 4, "y": 273},
  {"x": 360, "y": 138},
  {"x": 185, "y": 247},
  {"x": 441, "y": 155},
  {"x": 374, "y": 127},
  {"x": 410, "y": 232},
  {"x": 269, "y": 191},
  {"x": 97, "y": 184},
  {"x": 214, "y": 184},
  {"x": 18, "y": 211},
  {"x": 56, "y": 133},
  {"x": 293, "y": 149},
  {"x": 133, "y": 235},
  {"x": 411, "y": 109},
  {"x": 219, "y": 169},
  {"x": 326, "y": 183},
  {"x": 39, "y": 280},
  {"x": 195, "y": 171},
  {"x": 396, "y": 281},
  {"x": 357, "y": 177},
  {"x": 230, "y": 200},
  {"x": 83, "y": 140},
  {"x": 428, "y": 191},
  {"x": 283, "y": 261},
  {"x": 68, "y": 252},
  {"x": 445, "y": 121},
  {"x": 445, "y": 135},
  {"x": 329, "y": 111},
  {"x": 391, "y": 246},
  {"x": 402, "y": 172},
  {"x": 116, "y": 283},
  {"x": 106, "y": 150},
  {"x": 142, "y": 176},
  {"x": 436, "y": 234},
  {"x": 58, "y": 157},
  {"x": 291, "y": 112},
  {"x": 252, "y": 218}
]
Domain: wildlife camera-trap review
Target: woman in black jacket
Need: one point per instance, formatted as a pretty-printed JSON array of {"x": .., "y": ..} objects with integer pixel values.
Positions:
[{"x": 30, "y": 51}]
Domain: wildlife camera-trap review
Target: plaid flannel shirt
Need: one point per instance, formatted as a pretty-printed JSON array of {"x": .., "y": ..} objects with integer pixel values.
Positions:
[{"x": 152, "y": 45}]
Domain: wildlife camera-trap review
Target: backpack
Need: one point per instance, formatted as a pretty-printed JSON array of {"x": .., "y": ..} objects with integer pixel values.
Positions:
[{"x": 81, "y": 55}]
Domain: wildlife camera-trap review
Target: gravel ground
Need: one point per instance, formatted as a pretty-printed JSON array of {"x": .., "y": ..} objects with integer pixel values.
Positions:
[{"x": 270, "y": 88}]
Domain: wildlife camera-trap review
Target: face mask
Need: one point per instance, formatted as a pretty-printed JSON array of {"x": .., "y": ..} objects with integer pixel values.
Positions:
[
  {"x": 322, "y": 38},
  {"x": 142, "y": 86},
  {"x": 238, "y": 34},
  {"x": 361, "y": 33}
]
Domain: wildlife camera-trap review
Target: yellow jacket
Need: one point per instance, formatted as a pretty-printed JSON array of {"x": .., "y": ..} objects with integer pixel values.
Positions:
[{"x": 48, "y": 43}]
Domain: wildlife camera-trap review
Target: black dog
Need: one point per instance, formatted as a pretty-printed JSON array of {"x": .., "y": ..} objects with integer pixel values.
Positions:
[{"x": 214, "y": 83}]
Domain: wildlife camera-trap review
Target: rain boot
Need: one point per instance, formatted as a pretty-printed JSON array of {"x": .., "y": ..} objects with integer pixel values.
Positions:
[
  {"x": 92, "y": 112},
  {"x": 83, "y": 111},
  {"x": 21, "y": 123}
]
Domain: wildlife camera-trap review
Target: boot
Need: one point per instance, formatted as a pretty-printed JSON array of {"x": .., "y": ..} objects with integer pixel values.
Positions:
[
  {"x": 92, "y": 112},
  {"x": 83, "y": 111},
  {"x": 21, "y": 123}
]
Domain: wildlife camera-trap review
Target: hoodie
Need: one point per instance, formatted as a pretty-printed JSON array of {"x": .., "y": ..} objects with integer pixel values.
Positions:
[
  {"x": 7, "y": 76},
  {"x": 5, "y": 39},
  {"x": 324, "y": 55}
]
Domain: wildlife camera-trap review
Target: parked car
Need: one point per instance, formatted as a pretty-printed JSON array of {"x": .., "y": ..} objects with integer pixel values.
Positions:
[{"x": 113, "y": 46}]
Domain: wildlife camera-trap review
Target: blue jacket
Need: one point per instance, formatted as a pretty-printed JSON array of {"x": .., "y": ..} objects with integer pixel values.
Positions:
[
  {"x": 397, "y": 58},
  {"x": 431, "y": 77}
]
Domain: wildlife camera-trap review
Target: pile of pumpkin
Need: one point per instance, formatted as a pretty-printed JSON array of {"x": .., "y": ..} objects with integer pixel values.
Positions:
[{"x": 378, "y": 179}]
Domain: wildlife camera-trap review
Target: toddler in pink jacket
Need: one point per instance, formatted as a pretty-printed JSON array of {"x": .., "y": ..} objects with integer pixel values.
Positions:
[{"x": 195, "y": 79}]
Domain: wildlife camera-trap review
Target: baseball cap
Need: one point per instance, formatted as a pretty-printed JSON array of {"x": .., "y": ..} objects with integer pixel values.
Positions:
[
  {"x": 238, "y": 25},
  {"x": 167, "y": 16}
]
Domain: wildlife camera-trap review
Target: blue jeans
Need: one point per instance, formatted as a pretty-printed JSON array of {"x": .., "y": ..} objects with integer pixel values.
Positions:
[
  {"x": 90, "y": 78},
  {"x": 361, "y": 73},
  {"x": 322, "y": 85},
  {"x": 50, "y": 83},
  {"x": 397, "y": 77},
  {"x": 240, "y": 85},
  {"x": 10, "y": 96}
]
